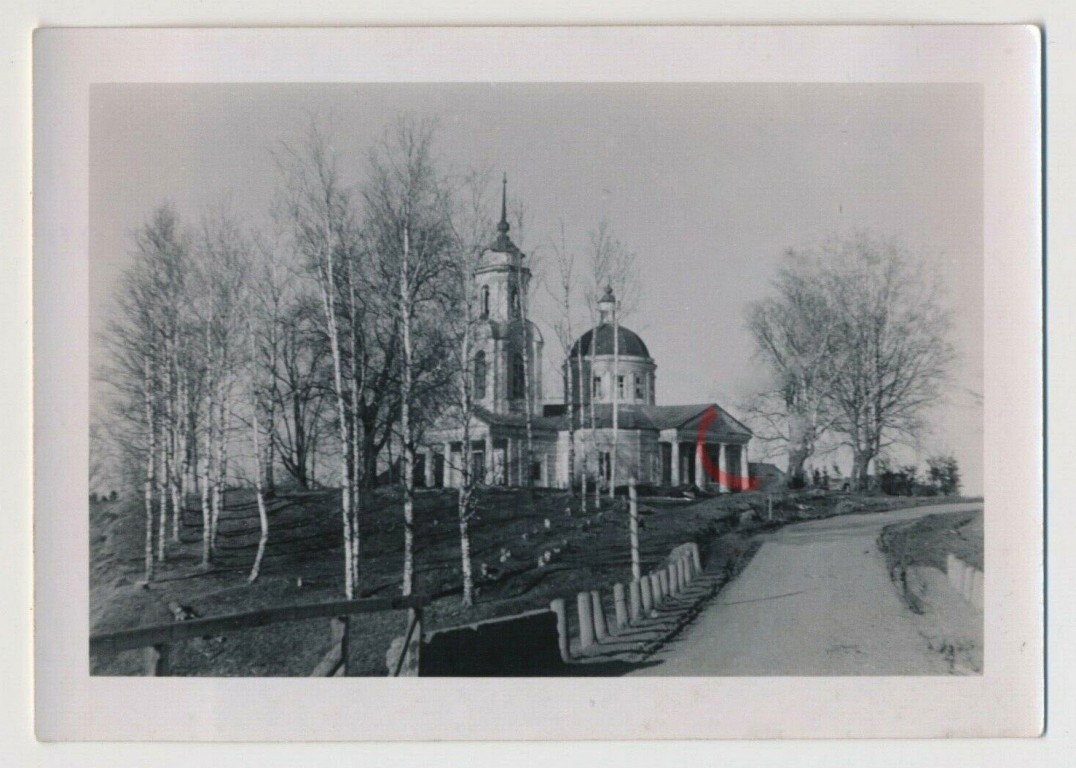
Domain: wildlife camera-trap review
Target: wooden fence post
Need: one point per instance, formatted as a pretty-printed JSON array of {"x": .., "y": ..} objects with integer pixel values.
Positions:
[
  {"x": 620, "y": 606},
  {"x": 157, "y": 660},
  {"x": 559, "y": 607}
]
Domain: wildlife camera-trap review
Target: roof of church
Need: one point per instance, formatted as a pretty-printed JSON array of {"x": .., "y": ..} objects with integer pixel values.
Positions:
[
  {"x": 630, "y": 343},
  {"x": 652, "y": 417}
]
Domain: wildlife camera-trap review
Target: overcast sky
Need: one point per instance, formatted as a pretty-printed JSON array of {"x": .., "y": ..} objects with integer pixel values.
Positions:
[{"x": 708, "y": 184}]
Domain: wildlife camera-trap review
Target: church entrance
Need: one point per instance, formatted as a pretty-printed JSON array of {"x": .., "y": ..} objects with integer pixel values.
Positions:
[
  {"x": 687, "y": 464},
  {"x": 666, "y": 463}
]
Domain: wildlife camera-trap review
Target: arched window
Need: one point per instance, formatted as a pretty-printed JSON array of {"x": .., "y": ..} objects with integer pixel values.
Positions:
[
  {"x": 513, "y": 301},
  {"x": 485, "y": 301},
  {"x": 480, "y": 376},
  {"x": 517, "y": 379}
]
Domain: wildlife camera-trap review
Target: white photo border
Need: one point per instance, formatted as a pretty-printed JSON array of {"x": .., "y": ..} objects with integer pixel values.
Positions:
[{"x": 1007, "y": 700}]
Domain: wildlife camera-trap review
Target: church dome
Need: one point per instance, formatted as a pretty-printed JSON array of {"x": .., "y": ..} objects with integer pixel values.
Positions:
[{"x": 629, "y": 342}]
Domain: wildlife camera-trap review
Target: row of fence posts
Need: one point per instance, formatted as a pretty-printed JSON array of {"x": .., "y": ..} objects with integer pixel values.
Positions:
[{"x": 640, "y": 600}]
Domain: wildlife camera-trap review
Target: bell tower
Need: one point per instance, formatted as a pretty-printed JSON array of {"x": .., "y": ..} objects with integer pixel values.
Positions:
[{"x": 502, "y": 282}]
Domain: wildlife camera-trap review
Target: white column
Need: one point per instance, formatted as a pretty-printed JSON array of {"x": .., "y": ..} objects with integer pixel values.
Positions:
[
  {"x": 490, "y": 467},
  {"x": 723, "y": 466},
  {"x": 745, "y": 469},
  {"x": 429, "y": 467},
  {"x": 446, "y": 479},
  {"x": 700, "y": 473},
  {"x": 674, "y": 475}
]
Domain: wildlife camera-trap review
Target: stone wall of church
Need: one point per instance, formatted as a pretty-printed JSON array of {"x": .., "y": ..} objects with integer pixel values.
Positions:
[{"x": 637, "y": 454}]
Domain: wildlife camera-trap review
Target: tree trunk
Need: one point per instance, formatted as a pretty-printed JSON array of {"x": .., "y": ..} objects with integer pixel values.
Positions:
[
  {"x": 407, "y": 457},
  {"x": 207, "y": 481},
  {"x": 582, "y": 400},
  {"x": 221, "y": 479},
  {"x": 270, "y": 444},
  {"x": 151, "y": 429},
  {"x": 263, "y": 515},
  {"x": 166, "y": 484},
  {"x": 328, "y": 297},
  {"x": 861, "y": 469},
  {"x": 162, "y": 493},
  {"x": 616, "y": 404},
  {"x": 465, "y": 547},
  {"x": 179, "y": 457},
  {"x": 593, "y": 423},
  {"x": 796, "y": 460},
  {"x": 571, "y": 446}
]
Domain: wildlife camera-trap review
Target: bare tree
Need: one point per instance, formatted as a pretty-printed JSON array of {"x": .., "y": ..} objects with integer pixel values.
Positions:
[
  {"x": 563, "y": 294},
  {"x": 613, "y": 267},
  {"x": 319, "y": 208},
  {"x": 302, "y": 386},
  {"x": 408, "y": 211},
  {"x": 894, "y": 354},
  {"x": 139, "y": 342},
  {"x": 256, "y": 404},
  {"x": 223, "y": 250},
  {"x": 524, "y": 333},
  {"x": 470, "y": 225},
  {"x": 796, "y": 338}
]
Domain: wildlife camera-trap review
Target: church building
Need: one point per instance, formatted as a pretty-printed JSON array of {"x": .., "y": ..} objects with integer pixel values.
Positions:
[{"x": 609, "y": 367}]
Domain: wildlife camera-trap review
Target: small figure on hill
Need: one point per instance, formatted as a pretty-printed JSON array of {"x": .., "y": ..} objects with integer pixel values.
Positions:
[
  {"x": 825, "y": 479},
  {"x": 816, "y": 478}
]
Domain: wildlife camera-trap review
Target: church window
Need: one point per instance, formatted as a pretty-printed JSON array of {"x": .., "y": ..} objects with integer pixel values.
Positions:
[
  {"x": 596, "y": 391},
  {"x": 516, "y": 381},
  {"x": 619, "y": 387},
  {"x": 480, "y": 376},
  {"x": 639, "y": 393},
  {"x": 485, "y": 301},
  {"x": 513, "y": 301}
]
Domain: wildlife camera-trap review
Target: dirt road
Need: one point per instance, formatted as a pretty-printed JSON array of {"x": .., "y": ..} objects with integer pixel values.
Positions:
[{"x": 815, "y": 600}]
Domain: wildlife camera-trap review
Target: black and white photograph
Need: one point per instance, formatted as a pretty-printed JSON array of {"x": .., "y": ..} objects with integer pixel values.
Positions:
[
  {"x": 566, "y": 379},
  {"x": 548, "y": 381}
]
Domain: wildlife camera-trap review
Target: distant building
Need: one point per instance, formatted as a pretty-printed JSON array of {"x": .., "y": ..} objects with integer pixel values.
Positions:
[
  {"x": 657, "y": 443},
  {"x": 768, "y": 477}
]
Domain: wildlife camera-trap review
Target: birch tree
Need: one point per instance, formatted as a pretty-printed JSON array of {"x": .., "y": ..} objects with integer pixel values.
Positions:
[
  {"x": 222, "y": 255},
  {"x": 525, "y": 337},
  {"x": 563, "y": 294},
  {"x": 797, "y": 340},
  {"x": 138, "y": 342},
  {"x": 407, "y": 213},
  {"x": 613, "y": 268},
  {"x": 890, "y": 317},
  {"x": 470, "y": 227},
  {"x": 320, "y": 210}
]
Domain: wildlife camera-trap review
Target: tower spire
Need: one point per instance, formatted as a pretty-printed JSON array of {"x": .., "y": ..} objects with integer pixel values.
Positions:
[{"x": 502, "y": 227}]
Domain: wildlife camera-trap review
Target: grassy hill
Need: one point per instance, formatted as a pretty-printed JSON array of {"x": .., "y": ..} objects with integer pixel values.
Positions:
[{"x": 304, "y": 563}]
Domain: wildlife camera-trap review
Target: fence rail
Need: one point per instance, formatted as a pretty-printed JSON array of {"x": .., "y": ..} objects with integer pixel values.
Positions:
[{"x": 158, "y": 639}]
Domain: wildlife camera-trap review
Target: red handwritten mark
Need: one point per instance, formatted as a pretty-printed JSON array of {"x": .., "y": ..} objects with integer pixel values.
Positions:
[{"x": 722, "y": 478}]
